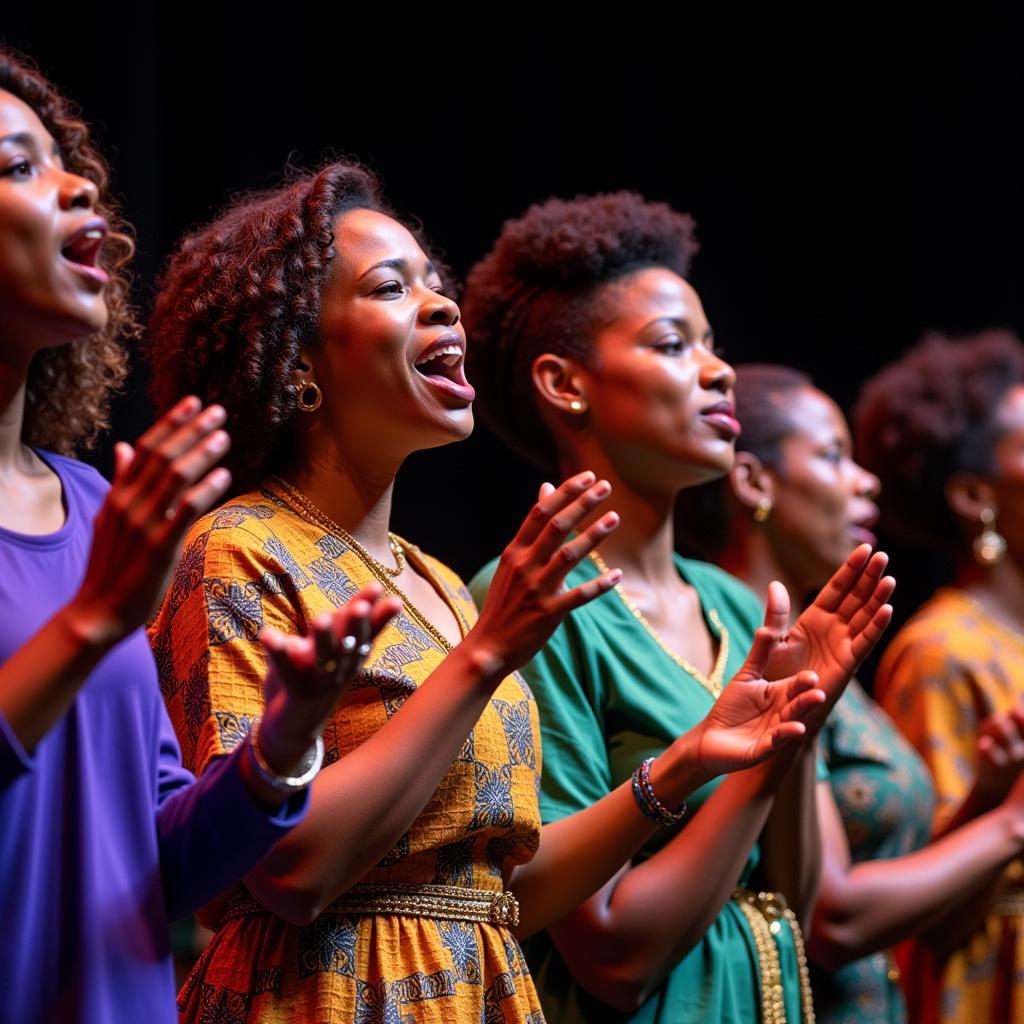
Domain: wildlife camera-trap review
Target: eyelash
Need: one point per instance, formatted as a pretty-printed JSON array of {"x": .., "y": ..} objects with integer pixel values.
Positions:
[
  {"x": 397, "y": 288},
  {"x": 13, "y": 170}
]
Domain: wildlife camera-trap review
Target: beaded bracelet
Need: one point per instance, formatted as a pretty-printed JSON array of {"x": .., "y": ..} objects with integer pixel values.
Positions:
[{"x": 649, "y": 804}]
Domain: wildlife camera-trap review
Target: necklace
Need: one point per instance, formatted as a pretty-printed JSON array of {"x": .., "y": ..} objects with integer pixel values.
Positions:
[
  {"x": 314, "y": 513},
  {"x": 712, "y": 683},
  {"x": 382, "y": 573}
]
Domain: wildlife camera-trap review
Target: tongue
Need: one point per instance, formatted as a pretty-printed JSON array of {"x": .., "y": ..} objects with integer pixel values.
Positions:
[{"x": 82, "y": 250}]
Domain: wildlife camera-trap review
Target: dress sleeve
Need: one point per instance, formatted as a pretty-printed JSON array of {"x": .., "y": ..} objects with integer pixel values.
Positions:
[
  {"x": 928, "y": 692},
  {"x": 576, "y": 772},
  {"x": 210, "y": 831},
  {"x": 228, "y": 585}
]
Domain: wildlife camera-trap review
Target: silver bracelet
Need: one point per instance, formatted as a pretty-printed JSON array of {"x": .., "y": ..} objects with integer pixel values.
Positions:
[{"x": 286, "y": 785}]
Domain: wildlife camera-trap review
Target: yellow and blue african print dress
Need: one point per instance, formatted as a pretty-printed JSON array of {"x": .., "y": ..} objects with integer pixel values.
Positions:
[{"x": 257, "y": 562}]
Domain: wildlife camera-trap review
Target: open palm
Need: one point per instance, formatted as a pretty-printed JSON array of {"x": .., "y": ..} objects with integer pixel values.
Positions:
[
  {"x": 753, "y": 718},
  {"x": 837, "y": 632}
]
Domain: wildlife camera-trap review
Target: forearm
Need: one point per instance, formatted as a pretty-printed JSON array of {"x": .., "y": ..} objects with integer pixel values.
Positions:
[
  {"x": 39, "y": 682},
  {"x": 791, "y": 841},
  {"x": 627, "y": 937},
  {"x": 580, "y": 853},
  {"x": 874, "y": 904},
  {"x": 363, "y": 803}
]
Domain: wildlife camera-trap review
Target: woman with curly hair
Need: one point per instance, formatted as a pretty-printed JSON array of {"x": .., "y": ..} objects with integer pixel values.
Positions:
[
  {"x": 944, "y": 430},
  {"x": 795, "y": 505},
  {"x": 591, "y": 348},
  {"x": 323, "y": 325},
  {"x": 104, "y": 836}
]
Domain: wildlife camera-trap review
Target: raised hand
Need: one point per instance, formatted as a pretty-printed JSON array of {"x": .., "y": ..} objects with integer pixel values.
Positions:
[
  {"x": 837, "y": 632},
  {"x": 526, "y": 600},
  {"x": 1000, "y": 750},
  {"x": 753, "y": 718},
  {"x": 306, "y": 675},
  {"x": 160, "y": 488}
]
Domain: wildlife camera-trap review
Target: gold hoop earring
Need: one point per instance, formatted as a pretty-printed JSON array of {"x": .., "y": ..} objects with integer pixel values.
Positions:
[
  {"x": 990, "y": 545},
  {"x": 308, "y": 395},
  {"x": 577, "y": 407},
  {"x": 763, "y": 511}
]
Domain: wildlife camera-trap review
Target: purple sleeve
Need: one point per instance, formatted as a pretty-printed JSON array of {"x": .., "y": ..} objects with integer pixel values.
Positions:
[
  {"x": 211, "y": 830},
  {"x": 14, "y": 760}
]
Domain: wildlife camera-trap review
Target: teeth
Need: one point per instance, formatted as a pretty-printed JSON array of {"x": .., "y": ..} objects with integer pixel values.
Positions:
[
  {"x": 450, "y": 354},
  {"x": 94, "y": 234}
]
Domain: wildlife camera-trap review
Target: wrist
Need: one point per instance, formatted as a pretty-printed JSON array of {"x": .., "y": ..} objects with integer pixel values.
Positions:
[
  {"x": 1011, "y": 816},
  {"x": 480, "y": 660},
  {"x": 678, "y": 772},
  {"x": 89, "y": 627},
  {"x": 289, "y": 729}
]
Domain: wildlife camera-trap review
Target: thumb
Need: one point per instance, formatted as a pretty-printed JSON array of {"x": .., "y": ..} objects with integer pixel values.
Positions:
[
  {"x": 124, "y": 456},
  {"x": 765, "y": 641},
  {"x": 776, "y": 610}
]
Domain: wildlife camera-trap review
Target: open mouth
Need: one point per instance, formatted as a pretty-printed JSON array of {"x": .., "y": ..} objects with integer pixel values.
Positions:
[
  {"x": 722, "y": 416},
  {"x": 442, "y": 365},
  {"x": 82, "y": 251}
]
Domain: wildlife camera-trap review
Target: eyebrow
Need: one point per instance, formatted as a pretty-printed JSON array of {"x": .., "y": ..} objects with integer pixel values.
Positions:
[
  {"x": 395, "y": 263},
  {"x": 708, "y": 335},
  {"x": 26, "y": 139}
]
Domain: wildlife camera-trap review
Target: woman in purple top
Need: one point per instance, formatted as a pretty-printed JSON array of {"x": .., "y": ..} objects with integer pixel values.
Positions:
[{"x": 103, "y": 835}]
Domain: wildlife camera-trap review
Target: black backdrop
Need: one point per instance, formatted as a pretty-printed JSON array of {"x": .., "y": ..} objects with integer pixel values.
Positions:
[{"x": 855, "y": 174}]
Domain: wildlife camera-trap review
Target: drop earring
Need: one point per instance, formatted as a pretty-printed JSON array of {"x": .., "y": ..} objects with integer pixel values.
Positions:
[
  {"x": 763, "y": 511},
  {"x": 990, "y": 545}
]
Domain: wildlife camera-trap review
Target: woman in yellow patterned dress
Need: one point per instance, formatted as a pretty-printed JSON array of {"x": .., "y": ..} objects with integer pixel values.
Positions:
[
  {"x": 320, "y": 323},
  {"x": 944, "y": 430}
]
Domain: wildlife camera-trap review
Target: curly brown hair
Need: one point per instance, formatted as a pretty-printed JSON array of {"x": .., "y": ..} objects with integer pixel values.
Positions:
[
  {"x": 241, "y": 295},
  {"x": 69, "y": 388},
  {"x": 539, "y": 290},
  {"x": 929, "y": 415}
]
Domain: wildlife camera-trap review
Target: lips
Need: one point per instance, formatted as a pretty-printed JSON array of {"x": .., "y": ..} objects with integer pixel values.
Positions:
[
  {"x": 82, "y": 250},
  {"x": 861, "y": 529},
  {"x": 722, "y": 416},
  {"x": 441, "y": 364}
]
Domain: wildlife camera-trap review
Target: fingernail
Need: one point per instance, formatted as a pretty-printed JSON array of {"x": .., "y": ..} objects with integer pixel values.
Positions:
[
  {"x": 610, "y": 520},
  {"x": 615, "y": 575},
  {"x": 219, "y": 441},
  {"x": 601, "y": 488},
  {"x": 585, "y": 480}
]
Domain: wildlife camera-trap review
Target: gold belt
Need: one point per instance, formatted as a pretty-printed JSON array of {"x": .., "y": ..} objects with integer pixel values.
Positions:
[
  {"x": 765, "y": 912},
  {"x": 444, "y": 902}
]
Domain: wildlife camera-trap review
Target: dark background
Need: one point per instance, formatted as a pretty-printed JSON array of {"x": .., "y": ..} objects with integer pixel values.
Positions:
[{"x": 855, "y": 174}]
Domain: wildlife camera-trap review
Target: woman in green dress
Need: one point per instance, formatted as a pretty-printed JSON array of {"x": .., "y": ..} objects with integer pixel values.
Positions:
[
  {"x": 591, "y": 348},
  {"x": 796, "y": 504}
]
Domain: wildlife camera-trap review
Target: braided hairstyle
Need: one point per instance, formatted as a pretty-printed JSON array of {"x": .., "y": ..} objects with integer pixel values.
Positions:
[
  {"x": 929, "y": 415},
  {"x": 540, "y": 289},
  {"x": 241, "y": 296},
  {"x": 69, "y": 387}
]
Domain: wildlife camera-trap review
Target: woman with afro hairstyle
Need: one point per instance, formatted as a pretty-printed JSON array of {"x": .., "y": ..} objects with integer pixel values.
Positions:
[
  {"x": 104, "y": 836},
  {"x": 591, "y": 348},
  {"x": 323, "y": 325},
  {"x": 944, "y": 430},
  {"x": 796, "y": 504}
]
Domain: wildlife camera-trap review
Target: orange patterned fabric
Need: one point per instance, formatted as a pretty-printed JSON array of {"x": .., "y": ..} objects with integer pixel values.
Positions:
[
  {"x": 255, "y": 562},
  {"x": 946, "y": 670}
]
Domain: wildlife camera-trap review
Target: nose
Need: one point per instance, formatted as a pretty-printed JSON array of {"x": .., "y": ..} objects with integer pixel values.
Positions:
[
  {"x": 868, "y": 485},
  {"x": 78, "y": 193},
  {"x": 715, "y": 373},
  {"x": 439, "y": 309}
]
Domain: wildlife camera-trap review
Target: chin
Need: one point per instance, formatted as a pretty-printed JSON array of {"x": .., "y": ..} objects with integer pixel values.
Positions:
[{"x": 456, "y": 425}]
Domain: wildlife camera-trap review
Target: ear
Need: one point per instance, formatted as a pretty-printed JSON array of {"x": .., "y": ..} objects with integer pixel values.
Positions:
[
  {"x": 968, "y": 495},
  {"x": 303, "y": 367},
  {"x": 559, "y": 383},
  {"x": 751, "y": 481}
]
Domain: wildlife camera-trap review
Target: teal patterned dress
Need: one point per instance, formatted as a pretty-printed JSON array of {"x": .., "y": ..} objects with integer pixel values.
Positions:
[{"x": 885, "y": 796}]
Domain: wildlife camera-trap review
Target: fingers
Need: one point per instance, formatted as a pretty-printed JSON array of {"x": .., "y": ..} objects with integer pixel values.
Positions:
[
  {"x": 562, "y": 522},
  {"x": 577, "y": 549},
  {"x": 776, "y": 612},
  {"x": 861, "y": 592},
  {"x": 765, "y": 641},
  {"x": 548, "y": 505},
  {"x": 862, "y": 616},
  {"x": 187, "y": 469},
  {"x": 862, "y": 644},
  {"x": 177, "y": 416},
  {"x": 124, "y": 455},
  {"x": 989, "y": 750},
  {"x": 586, "y": 592},
  {"x": 545, "y": 489},
  {"x": 196, "y": 500},
  {"x": 803, "y": 703},
  {"x": 843, "y": 580}
]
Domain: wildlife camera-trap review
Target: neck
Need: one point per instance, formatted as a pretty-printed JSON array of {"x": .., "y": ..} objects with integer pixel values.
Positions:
[
  {"x": 642, "y": 546},
  {"x": 12, "y": 416},
  {"x": 353, "y": 491},
  {"x": 751, "y": 558},
  {"x": 999, "y": 589}
]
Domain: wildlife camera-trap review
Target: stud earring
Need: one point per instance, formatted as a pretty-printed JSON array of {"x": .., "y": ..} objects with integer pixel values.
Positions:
[
  {"x": 763, "y": 511},
  {"x": 990, "y": 545},
  {"x": 308, "y": 395},
  {"x": 577, "y": 407}
]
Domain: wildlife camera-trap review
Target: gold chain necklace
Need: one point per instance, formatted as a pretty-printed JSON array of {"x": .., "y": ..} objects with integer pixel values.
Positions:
[
  {"x": 324, "y": 520},
  {"x": 713, "y": 683},
  {"x": 382, "y": 573}
]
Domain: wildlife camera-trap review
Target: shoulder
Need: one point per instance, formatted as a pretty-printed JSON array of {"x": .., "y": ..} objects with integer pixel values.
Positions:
[{"x": 88, "y": 483}]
